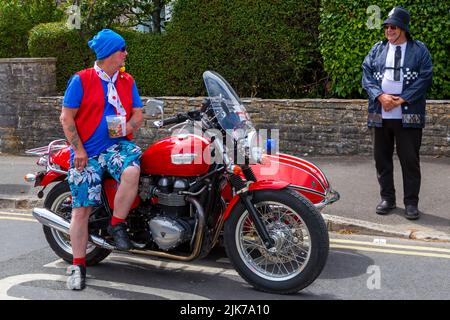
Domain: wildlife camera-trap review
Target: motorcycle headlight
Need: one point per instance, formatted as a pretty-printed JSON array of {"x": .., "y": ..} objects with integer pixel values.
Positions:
[
  {"x": 238, "y": 134},
  {"x": 255, "y": 151},
  {"x": 256, "y": 154}
]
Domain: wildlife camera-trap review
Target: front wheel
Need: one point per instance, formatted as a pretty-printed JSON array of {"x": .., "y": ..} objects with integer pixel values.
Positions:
[{"x": 301, "y": 242}]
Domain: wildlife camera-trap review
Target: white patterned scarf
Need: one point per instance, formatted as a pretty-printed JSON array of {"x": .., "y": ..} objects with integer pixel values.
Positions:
[{"x": 113, "y": 97}]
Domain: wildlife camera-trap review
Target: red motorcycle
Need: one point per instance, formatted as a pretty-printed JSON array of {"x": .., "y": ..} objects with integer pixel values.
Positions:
[{"x": 194, "y": 194}]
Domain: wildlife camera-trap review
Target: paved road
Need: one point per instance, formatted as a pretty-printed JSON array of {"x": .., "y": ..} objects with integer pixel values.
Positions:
[{"x": 358, "y": 267}]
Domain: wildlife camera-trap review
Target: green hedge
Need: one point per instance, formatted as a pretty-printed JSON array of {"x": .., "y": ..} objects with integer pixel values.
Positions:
[
  {"x": 264, "y": 48},
  {"x": 345, "y": 40},
  {"x": 144, "y": 59},
  {"x": 147, "y": 61},
  {"x": 71, "y": 51},
  {"x": 17, "y": 18}
]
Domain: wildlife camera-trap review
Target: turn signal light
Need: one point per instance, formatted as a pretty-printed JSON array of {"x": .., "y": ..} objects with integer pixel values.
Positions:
[
  {"x": 236, "y": 170},
  {"x": 30, "y": 177}
]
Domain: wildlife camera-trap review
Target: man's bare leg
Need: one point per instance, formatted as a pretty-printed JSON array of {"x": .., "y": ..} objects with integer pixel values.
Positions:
[
  {"x": 127, "y": 191},
  {"x": 79, "y": 231}
]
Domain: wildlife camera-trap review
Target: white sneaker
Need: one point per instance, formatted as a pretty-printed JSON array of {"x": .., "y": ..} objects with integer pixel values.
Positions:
[{"x": 77, "y": 277}]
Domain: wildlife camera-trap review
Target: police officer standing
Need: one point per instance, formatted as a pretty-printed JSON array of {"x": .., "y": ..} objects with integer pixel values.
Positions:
[{"x": 396, "y": 75}]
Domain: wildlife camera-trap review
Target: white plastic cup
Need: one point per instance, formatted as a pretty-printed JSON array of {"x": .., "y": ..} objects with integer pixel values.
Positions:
[{"x": 117, "y": 126}]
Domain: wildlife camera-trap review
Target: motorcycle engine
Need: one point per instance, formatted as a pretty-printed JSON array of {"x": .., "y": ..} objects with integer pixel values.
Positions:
[
  {"x": 169, "y": 233},
  {"x": 170, "y": 222}
]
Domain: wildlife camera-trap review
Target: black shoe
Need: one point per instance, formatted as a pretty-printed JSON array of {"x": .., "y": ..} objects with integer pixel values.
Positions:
[
  {"x": 77, "y": 277},
  {"x": 120, "y": 235},
  {"x": 384, "y": 207},
  {"x": 411, "y": 212}
]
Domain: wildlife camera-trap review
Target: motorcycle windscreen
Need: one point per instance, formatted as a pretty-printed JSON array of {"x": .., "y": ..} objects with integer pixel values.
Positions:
[{"x": 228, "y": 108}]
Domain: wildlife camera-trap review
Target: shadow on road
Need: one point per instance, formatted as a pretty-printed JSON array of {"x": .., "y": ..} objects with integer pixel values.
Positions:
[{"x": 345, "y": 264}]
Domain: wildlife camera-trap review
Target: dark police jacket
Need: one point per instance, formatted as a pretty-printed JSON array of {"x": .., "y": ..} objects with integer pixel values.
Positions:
[{"x": 417, "y": 75}]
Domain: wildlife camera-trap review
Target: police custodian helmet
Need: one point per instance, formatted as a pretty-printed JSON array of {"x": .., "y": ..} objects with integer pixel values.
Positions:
[{"x": 399, "y": 17}]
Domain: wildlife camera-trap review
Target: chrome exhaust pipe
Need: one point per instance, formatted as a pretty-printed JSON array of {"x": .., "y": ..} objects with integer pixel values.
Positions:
[
  {"x": 99, "y": 242},
  {"x": 52, "y": 220}
]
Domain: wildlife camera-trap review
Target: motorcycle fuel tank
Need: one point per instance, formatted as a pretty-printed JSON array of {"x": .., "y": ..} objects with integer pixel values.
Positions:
[{"x": 183, "y": 155}]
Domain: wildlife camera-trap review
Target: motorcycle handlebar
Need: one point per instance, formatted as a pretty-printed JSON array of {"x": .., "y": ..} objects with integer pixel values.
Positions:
[
  {"x": 181, "y": 117},
  {"x": 174, "y": 120}
]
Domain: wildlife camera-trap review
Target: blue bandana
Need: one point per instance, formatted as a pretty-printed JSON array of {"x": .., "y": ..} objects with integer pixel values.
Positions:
[{"x": 105, "y": 43}]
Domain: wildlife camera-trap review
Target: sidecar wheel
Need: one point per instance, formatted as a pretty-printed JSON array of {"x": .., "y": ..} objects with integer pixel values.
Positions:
[
  {"x": 58, "y": 200},
  {"x": 301, "y": 242}
]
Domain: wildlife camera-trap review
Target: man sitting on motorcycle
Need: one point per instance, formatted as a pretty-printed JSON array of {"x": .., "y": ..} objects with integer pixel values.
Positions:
[{"x": 96, "y": 146}]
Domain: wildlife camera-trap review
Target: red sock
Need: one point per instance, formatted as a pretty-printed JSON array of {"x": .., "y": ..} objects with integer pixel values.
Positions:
[
  {"x": 116, "y": 220},
  {"x": 79, "y": 261}
]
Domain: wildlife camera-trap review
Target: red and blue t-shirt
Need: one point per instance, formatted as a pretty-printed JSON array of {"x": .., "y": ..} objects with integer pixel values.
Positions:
[{"x": 99, "y": 141}]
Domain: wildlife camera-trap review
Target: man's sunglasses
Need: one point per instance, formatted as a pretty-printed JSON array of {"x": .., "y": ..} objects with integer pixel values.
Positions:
[
  {"x": 123, "y": 49},
  {"x": 390, "y": 27}
]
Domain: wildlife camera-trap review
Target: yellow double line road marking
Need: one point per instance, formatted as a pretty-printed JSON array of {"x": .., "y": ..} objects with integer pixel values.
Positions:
[
  {"x": 390, "y": 248},
  {"x": 16, "y": 216},
  {"x": 422, "y": 251}
]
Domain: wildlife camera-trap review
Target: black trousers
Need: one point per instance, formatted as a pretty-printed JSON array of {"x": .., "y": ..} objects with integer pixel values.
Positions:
[{"x": 407, "y": 142}]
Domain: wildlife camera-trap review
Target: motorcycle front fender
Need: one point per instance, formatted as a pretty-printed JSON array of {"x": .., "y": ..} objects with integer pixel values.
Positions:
[
  {"x": 258, "y": 185},
  {"x": 303, "y": 176}
]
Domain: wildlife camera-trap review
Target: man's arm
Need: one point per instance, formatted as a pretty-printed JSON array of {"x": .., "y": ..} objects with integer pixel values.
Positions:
[
  {"x": 419, "y": 88},
  {"x": 67, "y": 119},
  {"x": 374, "y": 90},
  {"x": 369, "y": 83},
  {"x": 136, "y": 120},
  {"x": 372, "y": 87}
]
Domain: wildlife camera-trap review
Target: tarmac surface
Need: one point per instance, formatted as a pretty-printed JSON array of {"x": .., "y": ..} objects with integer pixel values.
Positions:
[{"x": 354, "y": 177}]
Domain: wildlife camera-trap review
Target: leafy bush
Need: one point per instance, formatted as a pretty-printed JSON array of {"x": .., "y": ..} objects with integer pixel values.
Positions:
[
  {"x": 73, "y": 54},
  {"x": 147, "y": 62},
  {"x": 17, "y": 18},
  {"x": 68, "y": 46},
  {"x": 264, "y": 48},
  {"x": 345, "y": 40},
  {"x": 96, "y": 15}
]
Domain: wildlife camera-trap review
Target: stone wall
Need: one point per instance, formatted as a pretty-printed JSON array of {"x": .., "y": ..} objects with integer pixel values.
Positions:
[
  {"x": 22, "y": 80},
  {"x": 307, "y": 127},
  {"x": 323, "y": 127},
  {"x": 29, "y": 117}
]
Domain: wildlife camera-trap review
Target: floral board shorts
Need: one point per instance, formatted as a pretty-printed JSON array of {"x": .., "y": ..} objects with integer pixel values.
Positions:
[{"x": 86, "y": 186}]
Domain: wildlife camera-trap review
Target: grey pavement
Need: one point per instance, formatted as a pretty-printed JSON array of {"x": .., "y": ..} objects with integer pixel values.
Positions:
[
  {"x": 14, "y": 191},
  {"x": 353, "y": 177}
]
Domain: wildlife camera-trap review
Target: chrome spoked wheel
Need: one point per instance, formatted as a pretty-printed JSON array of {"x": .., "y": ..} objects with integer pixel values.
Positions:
[
  {"x": 299, "y": 235},
  {"x": 291, "y": 251}
]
